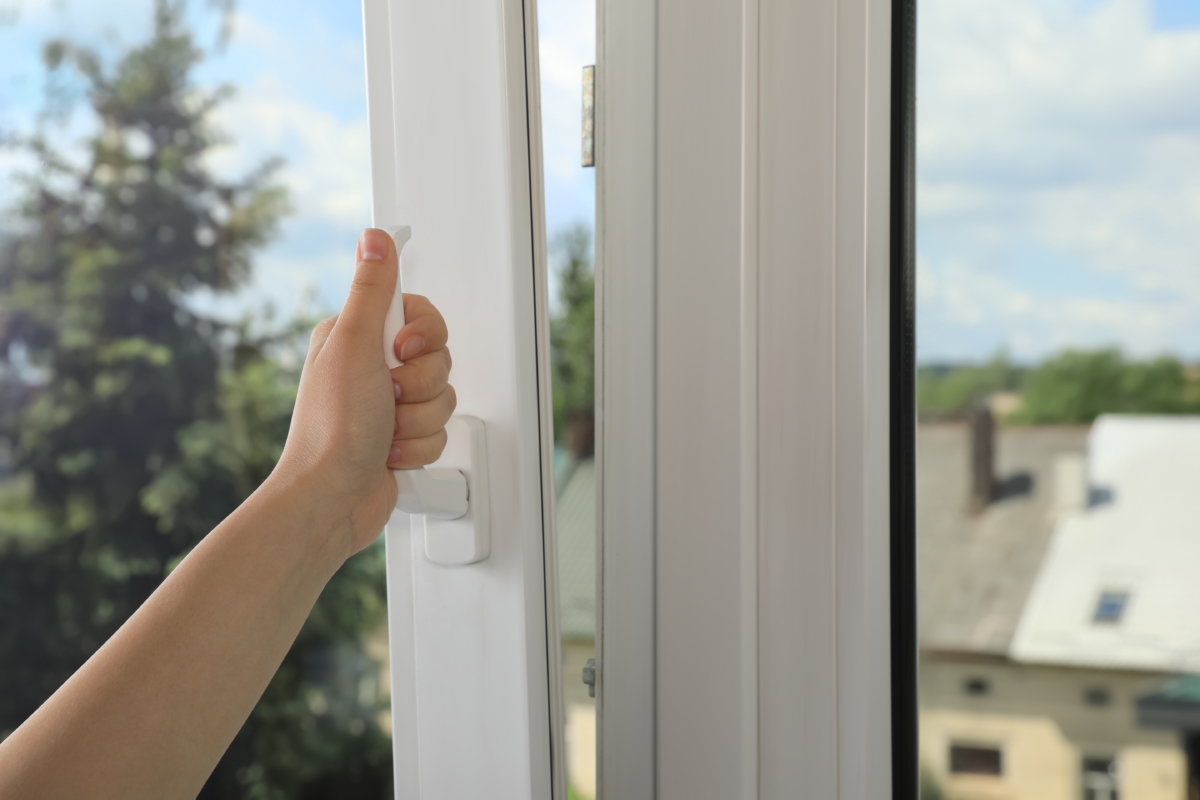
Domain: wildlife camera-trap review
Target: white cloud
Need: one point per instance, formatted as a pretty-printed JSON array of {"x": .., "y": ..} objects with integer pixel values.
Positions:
[
  {"x": 1045, "y": 128},
  {"x": 566, "y": 44},
  {"x": 957, "y": 297},
  {"x": 327, "y": 166},
  {"x": 290, "y": 283},
  {"x": 281, "y": 112},
  {"x": 300, "y": 95}
]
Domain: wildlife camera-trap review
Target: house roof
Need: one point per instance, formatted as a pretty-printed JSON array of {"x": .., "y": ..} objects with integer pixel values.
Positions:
[
  {"x": 575, "y": 513},
  {"x": 1119, "y": 585},
  {"x": 975, "y": 571}
]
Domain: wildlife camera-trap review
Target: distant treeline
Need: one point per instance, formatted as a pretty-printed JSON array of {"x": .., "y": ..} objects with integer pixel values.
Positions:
[{"x": 1071, "y": 388}]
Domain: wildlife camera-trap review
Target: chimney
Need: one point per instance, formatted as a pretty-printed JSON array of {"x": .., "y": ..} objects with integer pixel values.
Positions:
[
  {"x": 581, "y": 433},
  {"x": 982, "y": 427}
]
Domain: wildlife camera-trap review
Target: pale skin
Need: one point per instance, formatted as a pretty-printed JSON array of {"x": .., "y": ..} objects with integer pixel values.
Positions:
[{"x": 151, "y": 713}]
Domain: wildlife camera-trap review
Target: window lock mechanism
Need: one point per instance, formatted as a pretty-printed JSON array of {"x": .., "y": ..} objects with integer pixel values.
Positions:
[{"x": 589, "y": 676}]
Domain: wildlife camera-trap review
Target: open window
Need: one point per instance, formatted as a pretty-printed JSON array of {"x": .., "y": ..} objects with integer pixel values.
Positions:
[
  {"x": 720, "y": 543},
  {"x": 755, "y": 627}
]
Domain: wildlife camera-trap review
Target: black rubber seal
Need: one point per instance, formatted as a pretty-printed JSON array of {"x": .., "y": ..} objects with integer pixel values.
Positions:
[{"x": 903, "y": 445}]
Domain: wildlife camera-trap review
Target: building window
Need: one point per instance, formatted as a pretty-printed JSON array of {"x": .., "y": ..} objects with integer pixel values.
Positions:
[
  {"x": 1097, "y": 696},
  {"x": 977, "y": 687},
  {"x": 975, "y": 760},
  {"x": 1110, "y": 607},
  {"x": 1100, "y": 779}
]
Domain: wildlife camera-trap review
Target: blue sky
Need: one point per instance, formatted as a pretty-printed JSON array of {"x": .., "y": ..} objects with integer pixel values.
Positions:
[
  {"x": 1058, "y": 198},
  {"x": 1058, "y": 155},
  {"x": 298, "y": 66},
  {"x": 1177, "y": 14}
]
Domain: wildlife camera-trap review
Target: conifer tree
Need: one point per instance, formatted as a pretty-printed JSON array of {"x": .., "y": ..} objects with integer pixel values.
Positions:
[
  {"x": 573, "y": 342},
  {"x": 131, "y": 424}
]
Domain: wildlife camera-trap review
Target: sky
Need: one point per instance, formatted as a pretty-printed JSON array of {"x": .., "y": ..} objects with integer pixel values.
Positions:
[
  {"x": 1058, "y": 163},
  {"x": 1058, "y": 169},
  {"x": 298, "y": 66}
]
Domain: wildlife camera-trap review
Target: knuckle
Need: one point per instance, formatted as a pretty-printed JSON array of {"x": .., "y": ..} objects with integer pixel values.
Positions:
[
  {"x": 420, "y": 452},
  {"x": 427, "y": 388},
  {"x": 321, "y": 330},
  {"x": 408, "y": 422},
  {"x": 370, "y": 276},
  {"x": 365, "y": 281},
  {"x": 435, "y": 445}
]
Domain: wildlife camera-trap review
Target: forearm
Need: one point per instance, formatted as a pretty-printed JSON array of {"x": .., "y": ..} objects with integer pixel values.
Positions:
[
  {"x": 150, "y": 714},
  {"x": 152, "y": 711}
]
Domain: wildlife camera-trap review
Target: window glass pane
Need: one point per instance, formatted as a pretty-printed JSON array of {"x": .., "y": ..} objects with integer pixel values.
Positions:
[
  {"x": 1111, "y": 606},
  {"x": 974, "y": 760},
  {"x": 1058, "y": 283},
  {"x": 567, "y": 45},
  {"x": 158, "y": 277}
]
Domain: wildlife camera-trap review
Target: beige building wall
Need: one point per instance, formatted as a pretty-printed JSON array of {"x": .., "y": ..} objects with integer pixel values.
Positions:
[
  {"x": 1038, "y": 718},
  {"x": 1153, "y": 772},
  {"x": 580, "y": 722}
]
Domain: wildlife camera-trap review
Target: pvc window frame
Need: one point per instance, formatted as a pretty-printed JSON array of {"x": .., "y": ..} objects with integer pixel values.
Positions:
[
  {"x": 456, "y": 153},
  {"x": 756, "y": 627},
  {"x": 819, "y": 698}
]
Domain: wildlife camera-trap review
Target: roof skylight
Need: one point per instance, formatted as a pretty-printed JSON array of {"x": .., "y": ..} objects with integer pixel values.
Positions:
[{"x": 1110, "y": 607}]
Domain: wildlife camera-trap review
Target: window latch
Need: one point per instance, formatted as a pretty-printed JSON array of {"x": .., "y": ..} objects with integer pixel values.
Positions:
[
  {"x": 449, "y": 499},
  {"x": 589, "y": 676}
]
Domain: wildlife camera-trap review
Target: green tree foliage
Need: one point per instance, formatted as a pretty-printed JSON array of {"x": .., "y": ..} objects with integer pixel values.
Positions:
[
  {"x": 573, "y": 341},
  {"x": 930, "y": 788},
  {"x": 1070, "y": 388},
  {"x": 1076, "y": 386},
  {"x": 949, "y": 392},
  {"x": 132, "y": 425}
]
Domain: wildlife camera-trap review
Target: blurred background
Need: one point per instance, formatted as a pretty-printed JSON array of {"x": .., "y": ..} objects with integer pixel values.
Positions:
[
  {"x": 181, "y": 189},
  {"x": 1058, "y": 394}
]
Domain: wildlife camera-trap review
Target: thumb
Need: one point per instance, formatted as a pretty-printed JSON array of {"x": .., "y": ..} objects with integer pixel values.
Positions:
[{"x": 372, "y": 288}]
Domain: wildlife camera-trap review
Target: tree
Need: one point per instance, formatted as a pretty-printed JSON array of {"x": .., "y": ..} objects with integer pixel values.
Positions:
[
  {"x": 1077, "y": 386},
  {"x": 930, "y": 788},
  {"x": 134, "y": 424},
  {"x": 950, "y": 392},
  {"x": 573, "y": 342}
]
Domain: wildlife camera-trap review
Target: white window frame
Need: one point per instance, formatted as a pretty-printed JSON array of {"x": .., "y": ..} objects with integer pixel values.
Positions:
[
  {"x": 456, "y": 154},
  {"x": 755, "y": 627},
  {"x": 754, "y": 262}
]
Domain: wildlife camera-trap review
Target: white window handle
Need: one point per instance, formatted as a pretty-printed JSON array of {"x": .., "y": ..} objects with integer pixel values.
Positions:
[{"x": 450, "y": 499}]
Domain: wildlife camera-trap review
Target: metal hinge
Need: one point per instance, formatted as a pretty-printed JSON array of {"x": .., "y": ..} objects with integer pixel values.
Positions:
[
  {"x": 589, "y": 676},
  {"x": 589, "y": 116}
]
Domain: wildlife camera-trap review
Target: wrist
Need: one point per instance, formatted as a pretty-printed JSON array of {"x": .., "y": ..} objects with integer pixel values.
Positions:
[{"x": 318, "y": 515}]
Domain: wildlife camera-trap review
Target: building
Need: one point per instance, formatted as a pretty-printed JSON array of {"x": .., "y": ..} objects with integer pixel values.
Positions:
[
  {"x": 1048, "y": 611},
  {"x": 575, "y": 511}
]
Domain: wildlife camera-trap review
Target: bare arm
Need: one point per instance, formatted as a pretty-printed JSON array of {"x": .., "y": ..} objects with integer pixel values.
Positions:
[{"x": 151, "y": 713}]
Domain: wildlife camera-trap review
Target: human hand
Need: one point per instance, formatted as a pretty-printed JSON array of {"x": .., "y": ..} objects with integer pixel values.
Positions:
[{"x": 339, "y": 444}]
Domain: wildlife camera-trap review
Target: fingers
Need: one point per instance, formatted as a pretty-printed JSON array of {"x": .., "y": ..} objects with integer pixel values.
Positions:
[
  {"x": 412, "y": 453},
  {"x": 418, "y": 420},
  {"x": 424, "y": 330},
  {"x": 371, "y": 290},
  {"x": 423, "y": 378},
  {"x": 420, "y": 430},
  {"x": 320, "y": 335}
]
